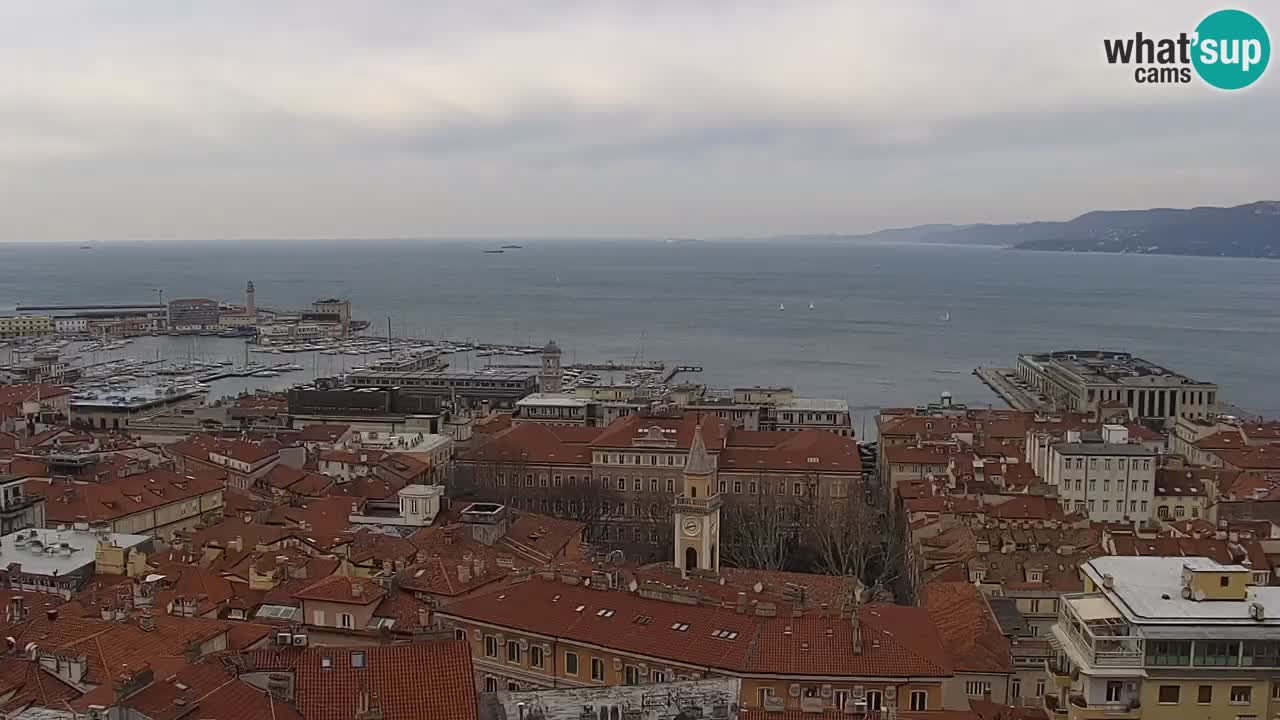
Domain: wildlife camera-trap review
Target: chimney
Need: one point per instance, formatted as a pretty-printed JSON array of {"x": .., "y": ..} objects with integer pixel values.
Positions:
[
  {"x": 236, "y": 544},
  {"x": 424, "y": 617},
  {"x": 464, "y": 574},
  {"x": 477, "y": 566},
  {"x": 357, "y": 589},
  {"x": 742, "y": 602},
  {"x": 856, "y": 624},
  {"x": 146, "y": 622}
]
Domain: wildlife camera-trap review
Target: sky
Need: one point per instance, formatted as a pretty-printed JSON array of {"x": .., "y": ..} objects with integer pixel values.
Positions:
[{"x": 157, "y": 120}]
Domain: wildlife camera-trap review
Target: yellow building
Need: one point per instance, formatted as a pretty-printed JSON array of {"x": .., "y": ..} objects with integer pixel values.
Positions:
[
  {"x": 1166, "y": 637},
  {"x": 14, "y": 326}
]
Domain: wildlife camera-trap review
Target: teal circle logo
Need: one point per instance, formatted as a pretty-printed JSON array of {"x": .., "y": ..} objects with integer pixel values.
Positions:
[{"x": 1231, "y": 49}]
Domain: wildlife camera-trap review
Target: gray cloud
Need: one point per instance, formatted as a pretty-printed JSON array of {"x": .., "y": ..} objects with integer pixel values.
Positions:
[{"x": 398, "y": 118}]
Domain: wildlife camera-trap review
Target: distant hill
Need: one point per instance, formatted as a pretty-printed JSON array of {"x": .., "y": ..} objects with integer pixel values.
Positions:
[{"x": 1251, "y": 230}]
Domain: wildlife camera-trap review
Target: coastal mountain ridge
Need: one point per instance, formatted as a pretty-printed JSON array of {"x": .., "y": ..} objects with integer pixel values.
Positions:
[{"x": 1250, "y": 230}]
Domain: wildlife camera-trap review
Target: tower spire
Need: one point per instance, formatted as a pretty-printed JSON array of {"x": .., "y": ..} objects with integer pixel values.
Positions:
[{"x": 700, "y": 461}]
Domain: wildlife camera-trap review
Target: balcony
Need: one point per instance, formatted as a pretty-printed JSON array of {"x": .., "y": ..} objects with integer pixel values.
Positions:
[
  {"x": 1089, "y": 625},
  {"x": 1078, "y": 709},
  {"x": 1059, "y": 677},
  {"x": 691, "y": 503}
]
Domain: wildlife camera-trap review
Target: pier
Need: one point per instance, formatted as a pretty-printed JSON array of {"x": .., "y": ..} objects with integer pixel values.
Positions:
[
  {"x": 1004, "y": 382},
  {"x": 681, "y": 369}
]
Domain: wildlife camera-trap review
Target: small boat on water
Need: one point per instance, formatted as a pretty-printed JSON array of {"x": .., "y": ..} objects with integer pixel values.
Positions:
[
  {"x": 493, "y": 252},
  {"x": 945, "y": 317},
  {"x": 781, "y": 307},
  {"x": 810, "y": 306},
  {"x": 512, "y": 247}
]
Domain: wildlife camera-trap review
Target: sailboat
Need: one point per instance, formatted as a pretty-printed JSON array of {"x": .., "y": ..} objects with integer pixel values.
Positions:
[
  {"x": 810, "y": 306},
  {"x": 945, "y": 317},
  {"x": 781, "y": 307}
]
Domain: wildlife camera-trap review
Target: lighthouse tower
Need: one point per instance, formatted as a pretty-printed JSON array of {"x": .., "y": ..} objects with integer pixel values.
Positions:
[{"x": 250, "y": 304}]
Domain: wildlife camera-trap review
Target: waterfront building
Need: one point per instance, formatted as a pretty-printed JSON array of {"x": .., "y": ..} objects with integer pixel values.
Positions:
[
  {"x": 1090, "y": 381},
  {"x": 493, "y": 388},
  {"x": 340, "y": 309},
  {"x": 193, "y": 314},
  {"x": 552, "y": 409},
  {"x": 16, "y": 326},
  {"x": 72, "y": 325},
  {"x": 115, "y": 408},
  {"x": 1152, "y": 638}
]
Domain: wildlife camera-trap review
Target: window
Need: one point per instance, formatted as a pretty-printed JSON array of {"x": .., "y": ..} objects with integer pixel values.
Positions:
[
  {"x": 1106, "y": 464},
  {"x": 653, "y": 485},
  {"x": 1015, "y": 687},
  {"x": 513, "y": 686},
  {"x": 875, "y": 699},
  {"x": 536, "y": 658},
  {"x": 1093, "y": 465},
  {"x": 1275, "y": 691},
  {"x": 631, "y": 675},
  {"x": 491, "y": 684},
  {"x": 1144, "y": 507},
  {"x": 797, "y": 489},
  {"x": 1179, "y": 511},
  {"x": 737, "y": 486},
  {"x": 1079, "y": 466},
  {"x": 1106, "y": 486},
  {"x": 459, "y": 634},
  {"x": 1169, "y": 694},
  {"x": 345, "y": 620},
  {"x": 976, "y": 688},
  {"x": 1106, "y": 505},
  {"x": 919, "y": 700},
  {"x": 1093, "y": 485},
  {"x": 658, "y": 676},
  {"x": 357, "y": 658},
  {"x": 1115, "y": 689},
  {"x": 490, "y": 646},
  {"x": 1078, "y": 484},
  {"x": 542, "y": 480},
  {"x": 841, "y": 698},
  {"x": 597, "y": 669},
  {"x": 762, "y": 696},
  {"x": 1217, "y": 654},
  {"x": 1205, "y": 694},
  {"x": 528, "y": 480},
  {"x": 571, "y": 663},
  {"x": 637, "y": 484},
  {"x": 557, "y": 481},
  {"x": 513, "y": 651},
  {"x": 1039, "y": 688},
  {"x": 1091, "y": 505},
  {"x": 1241, "y": 694},
  {"x": 724, "y": 486},
  {"x": 671, "y": 485},
  {"x": 622, "y": 484},
  {"x": 1169, "y": 652}
]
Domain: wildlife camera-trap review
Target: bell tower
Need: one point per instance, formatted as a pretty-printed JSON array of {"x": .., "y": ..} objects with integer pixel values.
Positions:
[
  {"x": 551, "y": 367},
  {"x": 697, "y": 511}
]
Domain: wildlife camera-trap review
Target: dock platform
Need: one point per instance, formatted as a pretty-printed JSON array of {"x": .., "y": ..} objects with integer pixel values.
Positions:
[{"x": 1002, "y": 382}]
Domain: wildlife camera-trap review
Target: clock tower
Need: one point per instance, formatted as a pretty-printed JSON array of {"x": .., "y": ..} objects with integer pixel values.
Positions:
[{"x": 697, "y": 511}]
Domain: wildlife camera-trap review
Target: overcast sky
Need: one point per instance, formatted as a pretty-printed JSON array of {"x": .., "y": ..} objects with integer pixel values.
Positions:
[{"x": 416, "y": 118}]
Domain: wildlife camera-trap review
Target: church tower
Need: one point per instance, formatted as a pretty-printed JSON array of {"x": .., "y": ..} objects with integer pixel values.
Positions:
[
  {"x": 697, "y": 511},
  {"x": 551, "y": 367}
]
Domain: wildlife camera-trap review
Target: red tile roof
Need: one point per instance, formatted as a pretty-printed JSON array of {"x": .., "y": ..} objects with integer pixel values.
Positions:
[
  {"x": 973, "y": 638},
  {"x": 1028, "y": 507},
  {"x": 201, "y": 447},
  {"x": 896, "y": 641},
  {"x": 12, "y": 394},
  {"x": 406, "y": 681},
  {"x": 120, "y": 497},
  {"x": 623, "y": 433},
  {"x": 343, "y": 589},
  {"x": 808, "y": 450},
  {"x": 535, "y": 443}
]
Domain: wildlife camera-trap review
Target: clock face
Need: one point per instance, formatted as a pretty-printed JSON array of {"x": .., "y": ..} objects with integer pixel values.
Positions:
[{"x": 690, "y": 527}]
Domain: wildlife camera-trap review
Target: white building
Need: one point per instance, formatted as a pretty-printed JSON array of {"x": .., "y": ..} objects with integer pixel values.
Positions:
[
  {"x": 1110, "y": 481},
  {"x": 71, "y": 325},
  {"x": 1166, "y": 637},
  {"x": 552, "y": 409}
]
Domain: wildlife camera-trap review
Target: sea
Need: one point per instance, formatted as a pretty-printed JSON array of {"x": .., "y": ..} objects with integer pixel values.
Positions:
[{"x": 874, "y": 324}]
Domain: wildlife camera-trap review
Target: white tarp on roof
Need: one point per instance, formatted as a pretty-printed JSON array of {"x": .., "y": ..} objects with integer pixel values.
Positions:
[{"x": 1093, "y": 609}]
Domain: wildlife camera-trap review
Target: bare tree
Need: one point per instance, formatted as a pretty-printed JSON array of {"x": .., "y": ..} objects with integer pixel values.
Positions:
[
  {"x": 758, "y": 534},
  {"x": 850, "y": 537}
]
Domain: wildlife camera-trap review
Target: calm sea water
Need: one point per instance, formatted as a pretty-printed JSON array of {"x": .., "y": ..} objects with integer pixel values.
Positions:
[{"x": 875, "y": 336}]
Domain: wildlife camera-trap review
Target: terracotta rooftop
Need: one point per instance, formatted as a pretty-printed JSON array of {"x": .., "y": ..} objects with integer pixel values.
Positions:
[
  {"x": 896, "y": 641},
  {"x": 330, "y": 685},
  {"x": 322, "y": 433},
  {"x": 973, "y": 638},
  {"x": 122, "y": 496},
  {"x": 343, "y": 589},
  {"x": 201, "y": 447}
]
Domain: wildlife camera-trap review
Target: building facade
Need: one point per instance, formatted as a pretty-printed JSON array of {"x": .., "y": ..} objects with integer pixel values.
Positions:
[
  {"x": 1109, "y": 482},
  {"x": 16, "y": 326},
  {"x": 1166, "y": 637},
  {"x": 193, "y": 314},
  {"x": 1087, "y": 380}
]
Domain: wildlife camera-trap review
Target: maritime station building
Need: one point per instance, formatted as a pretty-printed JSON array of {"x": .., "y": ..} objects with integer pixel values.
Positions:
[
  {"x": 1096, "y": 381},
  {"x": 498, "y": 389}
]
